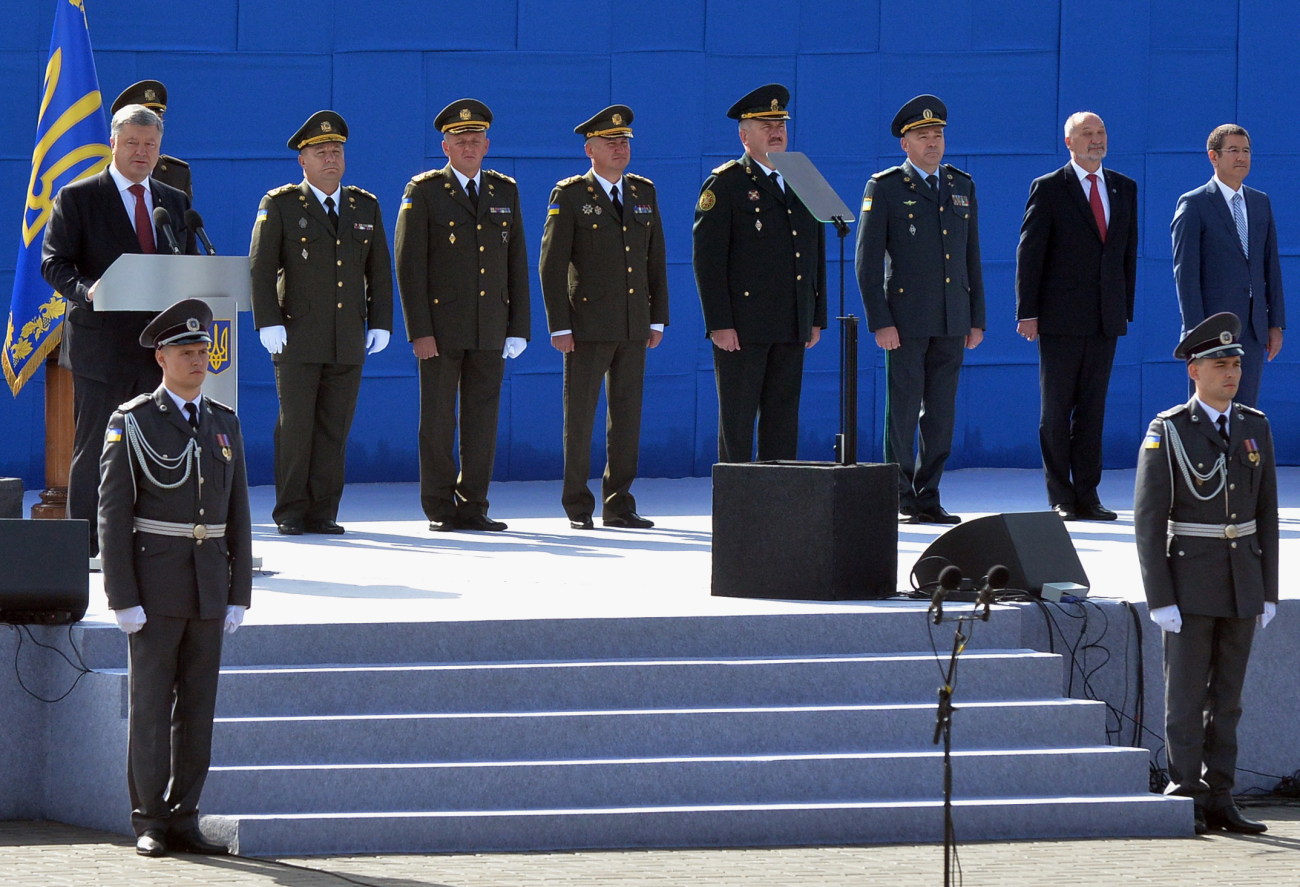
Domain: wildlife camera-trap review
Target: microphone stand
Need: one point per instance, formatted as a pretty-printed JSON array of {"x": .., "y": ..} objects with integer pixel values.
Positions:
[{"x": 846, "y": 442}]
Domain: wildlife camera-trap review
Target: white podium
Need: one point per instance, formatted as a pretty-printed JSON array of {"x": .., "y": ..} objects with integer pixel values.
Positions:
[{"x": 139, "y": 282}]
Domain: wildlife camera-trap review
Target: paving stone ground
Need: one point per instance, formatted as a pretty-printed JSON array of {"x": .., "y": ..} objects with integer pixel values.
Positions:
[{"x": 47, "y": 854}]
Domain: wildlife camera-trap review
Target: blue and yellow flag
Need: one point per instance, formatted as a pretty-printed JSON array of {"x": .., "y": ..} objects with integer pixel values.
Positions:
[{"x": 71, "y": 143}]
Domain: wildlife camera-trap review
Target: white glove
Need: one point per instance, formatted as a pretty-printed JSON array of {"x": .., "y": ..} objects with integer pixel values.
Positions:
[
  {"x": 376, "y": 341},
  {"x": 1168, "y": 618},
  {"x": 131, "y": 620},
  {"x": 1263, "y": 619},
  {"x": 234, "y": 617},
  {"x": 273, "y": 338},
  {"x": 514, "y": 346}
]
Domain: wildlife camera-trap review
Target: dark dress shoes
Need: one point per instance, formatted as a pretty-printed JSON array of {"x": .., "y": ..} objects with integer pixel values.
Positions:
[
  {"x": 480, "y": 522},
  {"x": 1198, "y": 820},
  {"x": 1095, "y": 512},
  {"x": 1230, "y": 819},
  {"x": 152, "y": 843},
  {"x": 442, "y": 526},
  {"x": 324, "y": 527},
  {"x": 1065, "y": 512},
  {"x": 192, "y": 841},
  {"x": 581, "y": 522},
  {"x": 935, "y": 515},
  {"x": 906, "y": 512},
  {"x": 289, "y": 528},
  {"x": 628, "y": 520}
]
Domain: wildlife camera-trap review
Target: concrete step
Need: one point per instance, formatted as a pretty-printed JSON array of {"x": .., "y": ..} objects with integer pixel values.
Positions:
[
  {"x": 621, "y": 684},
  {"x": 731, "y": 825},
  {"x": 874, "y": 627},
  {"x": 651, "y": 782},
  {"x": 412, "y": 738}
]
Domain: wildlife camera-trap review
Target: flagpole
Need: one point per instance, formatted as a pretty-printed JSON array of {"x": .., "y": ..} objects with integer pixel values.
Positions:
[{"x": 53, "y": 504}]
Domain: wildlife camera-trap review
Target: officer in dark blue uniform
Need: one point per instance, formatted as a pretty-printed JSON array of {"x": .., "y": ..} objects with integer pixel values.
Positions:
[
  {"x": 918, "y": 264},
  {"x": 760, "y": 268},
  {"x": 1206, "y": 523},
  {"x": 174, "y": 540}
]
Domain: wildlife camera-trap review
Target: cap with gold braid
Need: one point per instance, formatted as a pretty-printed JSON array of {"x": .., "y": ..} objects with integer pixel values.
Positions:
[
  {"x": 323, "y": 126},
  {"x": 924, "y": 110},
  {"x": 463, "y": 115},
  {"x": 150, "y": 93},
  {"x": 615, "y": 122},
  {"x": 765, "y": 103},
  {"x": 186, "y": 322}
]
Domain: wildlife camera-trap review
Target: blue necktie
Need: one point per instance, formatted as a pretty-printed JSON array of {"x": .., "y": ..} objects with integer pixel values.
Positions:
[{"x": 1240, "y": 218}]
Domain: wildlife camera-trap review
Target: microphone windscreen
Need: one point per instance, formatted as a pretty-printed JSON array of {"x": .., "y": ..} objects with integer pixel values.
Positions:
[
  {"x": 950, "y": 578},
  {"x": 998, "y": 576},
  {"x": 161, "y": 217},
  {"x": 193, "y": 220}
]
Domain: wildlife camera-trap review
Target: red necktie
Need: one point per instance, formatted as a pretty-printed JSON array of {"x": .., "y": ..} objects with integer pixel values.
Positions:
[
  {"x": 143, "y": 224},
  {"x": 1098, "y": 211}
]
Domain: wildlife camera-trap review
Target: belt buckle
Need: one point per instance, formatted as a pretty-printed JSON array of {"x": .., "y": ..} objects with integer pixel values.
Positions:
[
  {"x": 1230, "y": 531},
  {"x": 200, "y": 531}
]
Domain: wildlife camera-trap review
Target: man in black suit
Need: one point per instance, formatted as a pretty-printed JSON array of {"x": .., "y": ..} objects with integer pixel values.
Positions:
[
  {"x": 1076, "y": 273},
  {"x": 605, "y": 284},
  {"x": 760, "y": 268},
  {"x": 153, "y": 95},
  {"x": 922, "y": 284},
  {"x": 95, "y": 220},
  {"x": 1226, "y": 256},
  {"x": 176, "y": 532}
]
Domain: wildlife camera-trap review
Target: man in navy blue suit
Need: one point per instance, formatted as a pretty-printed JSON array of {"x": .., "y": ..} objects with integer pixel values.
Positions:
[
  {"x": 1225, "y": 256},
  {"x": 94, "y": 221}
]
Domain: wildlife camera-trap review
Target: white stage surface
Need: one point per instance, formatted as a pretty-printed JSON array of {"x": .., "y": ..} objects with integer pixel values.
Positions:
[{"x": 390, "y": 568}]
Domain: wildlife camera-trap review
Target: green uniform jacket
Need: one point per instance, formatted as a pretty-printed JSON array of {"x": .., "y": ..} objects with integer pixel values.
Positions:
[
  {"x": 462, "y": 273},
  {"x": 170, "y": 575},
  {"x": 175, "y": 172},
  {"x": 759, "y": 257},
  {"x": 1218, "y": 577},
  {"x": 605, "y": 280},
  {"x": 325, "y": 290},
  {"x": 918, "y": 255}
]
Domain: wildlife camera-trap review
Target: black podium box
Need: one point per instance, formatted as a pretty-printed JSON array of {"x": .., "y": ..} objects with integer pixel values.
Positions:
[{"x": 805, "y": 530}]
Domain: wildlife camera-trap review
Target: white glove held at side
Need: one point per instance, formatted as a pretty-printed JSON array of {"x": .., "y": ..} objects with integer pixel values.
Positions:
[
  {"x": 234, "y": 617},
  {"x": 273, "y": 338},
  {"x": 1263, "y": 619},
  {"x": 376, "y": 341},
  {"x": 1168, "y": 618},
  {"x": 130, "y": 620},
  {"x": 515, "y": 346}
]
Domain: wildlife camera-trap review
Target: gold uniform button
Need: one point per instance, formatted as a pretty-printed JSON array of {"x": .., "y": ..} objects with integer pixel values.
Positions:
[
  {"x": 625, "y": 229},
  {"x": 794, "y": 233},
  {"x": 435, "y": 301},
  {"x": 798, "y": 277},
  {"x": 201, "y": 512},
  {"x": 796, "y": 255},
  {"x": 340, "y": 284},
  {"x": 941, "y": 209},
  {"x": 947, "y": 280},
  {"x": 304, "y": 240},
  {"x": 900, "y": 289},
  {"x": 480, "y": 227},
  {"x": 481, "y": 248},
  {"x": 482, "y": 292},
  {"x": 338, "y": 243},
  {"x": 629, "y": 270},
  {"x": 451, "y": 224},
  {"x": 594, "y": 226},
  {"x": 746, "y": 294},
  {"x": 339, "y": 263},
  {"x": 631, "y": 290},
  {"x": 945, "y": 232},
  {"x": 482, "y": 271},
  {"x": 627, "y": 249},
  {"x": 340, "y": 304},
  {"x": 946, "y": 256},
  {"x": 911, "y": 216}
]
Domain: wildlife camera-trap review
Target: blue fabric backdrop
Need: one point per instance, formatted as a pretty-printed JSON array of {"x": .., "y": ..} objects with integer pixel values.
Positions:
[{"x": 243, "y": 75}]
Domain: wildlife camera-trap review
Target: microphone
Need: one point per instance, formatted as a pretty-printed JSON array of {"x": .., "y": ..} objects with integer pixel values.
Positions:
[
  {"x": 949, "y": 580},
  {"x": 162, "y": 220},
  {"x": 994, "y": 580},
  {"x": 194, "y": 222}
]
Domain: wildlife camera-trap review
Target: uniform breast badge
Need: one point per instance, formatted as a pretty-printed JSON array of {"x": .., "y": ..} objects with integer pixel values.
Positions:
[
  {"x": 753, "y": 194},
  {"x": 1252, "y": 451},
  {"x": 758, "y": 224}
]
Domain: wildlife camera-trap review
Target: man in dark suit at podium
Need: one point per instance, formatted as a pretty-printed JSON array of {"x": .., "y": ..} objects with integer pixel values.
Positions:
[
  {"x": 1076, "y": 273},
  {"x": 95, "y": 220}
]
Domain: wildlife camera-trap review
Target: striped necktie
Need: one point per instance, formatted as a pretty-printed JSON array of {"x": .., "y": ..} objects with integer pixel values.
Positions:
[{"x": 1240, "y": 218}]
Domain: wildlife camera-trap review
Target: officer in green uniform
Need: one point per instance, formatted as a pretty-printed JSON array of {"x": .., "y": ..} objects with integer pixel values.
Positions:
[
  {"x": 462, "y": 272},
  {"x": 918, "y": 264},
  {"x": 605, "y": 283},
  {"x": 153, "y": 95},
  {"x": 175, "y": 538},
  {"x": 1206, "y": 523},
  {"x": 322, "y": 300},
  {"x": 760, "y": 268}
]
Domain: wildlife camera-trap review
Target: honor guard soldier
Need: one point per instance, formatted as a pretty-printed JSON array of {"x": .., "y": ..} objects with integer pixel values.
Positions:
[
  {"x": 153, "y": 95},
  {"x": 175, "y": 534},
  {"x": 605, "y": 283},
  {"x": 918, "y": 264},
  {"x": 462, "y": 273},
  {"x": 1206, "y": 522},
  {"x": 760, "y": 268},
  {"x": 322, "y": 300}
]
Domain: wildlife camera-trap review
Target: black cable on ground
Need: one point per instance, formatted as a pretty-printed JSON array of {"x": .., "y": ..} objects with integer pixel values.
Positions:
[{"x": 79, "y": 666}]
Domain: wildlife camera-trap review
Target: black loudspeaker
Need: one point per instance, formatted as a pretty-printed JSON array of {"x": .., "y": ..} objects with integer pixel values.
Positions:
[
  {"x": 1034, "y": 547},
  {"x": 805, "y": 530},
  {"x": 44, "y": 573}
]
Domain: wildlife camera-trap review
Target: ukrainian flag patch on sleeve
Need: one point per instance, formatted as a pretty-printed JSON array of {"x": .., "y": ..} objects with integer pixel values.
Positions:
[
  {"x": 406, "y": 203},
  {"x": 1152, "y": 441},
  {"x": 553, "y": 209},
  {"x": 113, "y": 436}
]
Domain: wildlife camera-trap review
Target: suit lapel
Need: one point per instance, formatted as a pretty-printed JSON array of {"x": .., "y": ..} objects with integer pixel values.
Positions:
[
  {"x": 122, "y": 226},
  {"x": 1225, "y": 215},
  {"x": 1078, "y": 197},
  {"x": 918, "y": 183},
  {"x": 1257, "y": 213},
  {"x": 1118, "y": 209}
]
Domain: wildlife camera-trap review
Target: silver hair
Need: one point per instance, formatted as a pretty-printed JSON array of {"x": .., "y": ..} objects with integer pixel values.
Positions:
[
  {"x": 1072, "y": 122},
  {"x": 135, "y": 115}
]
